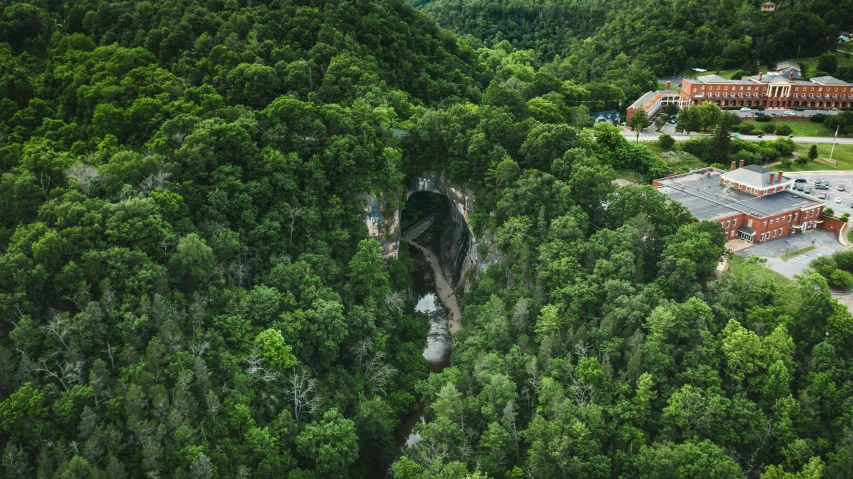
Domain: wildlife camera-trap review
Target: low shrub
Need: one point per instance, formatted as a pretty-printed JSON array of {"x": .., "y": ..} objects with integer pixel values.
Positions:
[
  {"x": 763, "y": 119},
  {"x": 666, "y": 141},
  {"x": 840, "y": 279},
  {"x": 784, "y": 130},
  {"x": 818, "y": 117}
]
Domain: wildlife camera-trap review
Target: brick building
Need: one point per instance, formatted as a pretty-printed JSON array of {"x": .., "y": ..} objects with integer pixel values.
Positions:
[
  {"x": 771, "y": 90},
  {"x": 751, "y": 203},
  {"x": 654, "y": 101}
]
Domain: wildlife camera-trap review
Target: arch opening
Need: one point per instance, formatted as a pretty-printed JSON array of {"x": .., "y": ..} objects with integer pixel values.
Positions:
[{"x": 432, "y": 220}]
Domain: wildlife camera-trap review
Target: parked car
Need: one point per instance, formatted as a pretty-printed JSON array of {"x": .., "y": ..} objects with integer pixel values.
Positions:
[
  {"x": 817, "y": 182},
  {"x": 746, "y": 108},
  {"x": 760, "y": 113},
  {"x": 838, "y": 199},
  {"x": 799, "y": 108},
  {"x": 840, "y": 188},
  {"x": 761, "y": 135},
  {"x": 801, "y": 180},
  {"x": 808, "y": 190},
  {"x": 671, "y": 122},
  {"x": 821, "y": 196},
  {"x": 825, "y": 185},
  {"x": 788, "y": 113}
]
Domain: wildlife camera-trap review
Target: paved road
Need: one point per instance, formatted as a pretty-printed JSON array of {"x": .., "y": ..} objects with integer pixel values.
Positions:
[{"x": 650, "y": 135}]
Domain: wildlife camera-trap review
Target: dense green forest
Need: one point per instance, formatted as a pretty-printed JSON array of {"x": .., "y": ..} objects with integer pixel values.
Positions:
[
  {"x": 188, "y": 290},
  {"x": 667, "y": 36}
]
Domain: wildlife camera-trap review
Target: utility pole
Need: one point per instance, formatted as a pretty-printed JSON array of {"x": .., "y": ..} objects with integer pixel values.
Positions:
[{"x": 831, "y": 151}]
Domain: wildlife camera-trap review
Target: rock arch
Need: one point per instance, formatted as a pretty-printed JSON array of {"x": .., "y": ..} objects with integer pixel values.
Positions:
[{"x": 459, "y": 261}]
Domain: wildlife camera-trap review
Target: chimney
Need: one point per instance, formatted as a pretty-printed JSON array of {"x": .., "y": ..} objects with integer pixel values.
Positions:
[
  {"x": 733, "y": 167},
  {"x": 741, "y": 164},
  {"x": 779, "y": 178},
  {"x": 759, "y": 76},
  {"x": 790, "y": 75},
  {"x": 668, "y": 84},
  {"x": 770, "y": 180}
]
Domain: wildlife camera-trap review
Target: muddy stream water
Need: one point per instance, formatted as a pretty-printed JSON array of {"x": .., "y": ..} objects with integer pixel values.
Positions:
[{"x": 439, "y": 301}]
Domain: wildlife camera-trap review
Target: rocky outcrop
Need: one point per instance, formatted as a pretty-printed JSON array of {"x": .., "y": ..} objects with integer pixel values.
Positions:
[{"x": 464, "y": 256}]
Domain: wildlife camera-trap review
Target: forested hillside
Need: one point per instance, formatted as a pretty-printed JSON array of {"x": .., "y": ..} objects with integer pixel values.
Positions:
[
  {"x": 188, "y": 291},
  {"x": 667, "y": 36}
]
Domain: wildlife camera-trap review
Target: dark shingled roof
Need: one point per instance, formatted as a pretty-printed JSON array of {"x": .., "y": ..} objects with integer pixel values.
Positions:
[{"x": 704, "y": 197}]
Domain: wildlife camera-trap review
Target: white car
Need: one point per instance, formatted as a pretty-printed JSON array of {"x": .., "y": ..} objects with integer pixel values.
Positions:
[
  {"x": 838, "y": 200},
  {"x": 746, "y": 108},
  {"x": 789, "y": 113}
]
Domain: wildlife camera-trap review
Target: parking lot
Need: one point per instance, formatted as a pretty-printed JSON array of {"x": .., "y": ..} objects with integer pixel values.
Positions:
[
  {"x": 780, "y": 112},
  {"x": 825, "y": 243},
  {"x": 835, "y": 180}
]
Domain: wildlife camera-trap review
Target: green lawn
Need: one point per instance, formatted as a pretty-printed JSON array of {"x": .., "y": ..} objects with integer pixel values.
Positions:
[
  {"x": 797, "y": 253},
  {"x": 843, "y": 60},
  {"x": 680, "y": 161},
  {"x": 727, "y": 74},
  {"x": 800, "y": 128},
  {"x": 788, "y": 290},
  {"x": 843, "y": 156}
]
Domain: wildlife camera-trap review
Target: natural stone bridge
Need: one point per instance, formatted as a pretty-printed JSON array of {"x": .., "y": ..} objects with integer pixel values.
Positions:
[{"x": 460, "y": 258}]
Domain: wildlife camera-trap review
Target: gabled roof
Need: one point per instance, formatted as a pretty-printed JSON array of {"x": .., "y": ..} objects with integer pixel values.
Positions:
[
  {"x": 752, "y": 175},
  {"x": 778, "y": 79},
  {"x": 712, "y": 79},
  {"x": 785, "y": 65},
  {"x": 786, "y": 71},
  {"x": 827, "y": 80},
  {"x": 647, "y": 97},
  {"x": 609, "y": 114}
]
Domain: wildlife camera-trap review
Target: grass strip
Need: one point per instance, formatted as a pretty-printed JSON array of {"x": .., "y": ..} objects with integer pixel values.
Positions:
[{"x": 797, "y": 253}]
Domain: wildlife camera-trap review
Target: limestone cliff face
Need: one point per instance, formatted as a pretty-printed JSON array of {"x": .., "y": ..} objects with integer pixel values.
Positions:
[
  {"x": 382, "y": 218},
  {"x": 461, "y": 259}
]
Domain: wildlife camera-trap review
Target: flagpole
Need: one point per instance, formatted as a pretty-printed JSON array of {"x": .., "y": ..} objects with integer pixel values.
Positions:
[{"x": 833, "y": 145}]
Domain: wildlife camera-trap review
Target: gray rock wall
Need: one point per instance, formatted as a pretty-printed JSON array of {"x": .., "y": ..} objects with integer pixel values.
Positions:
[{"x": 466, "y": 257}]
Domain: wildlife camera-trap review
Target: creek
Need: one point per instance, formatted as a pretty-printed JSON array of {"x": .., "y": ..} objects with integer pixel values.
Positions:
[{"x": 439, "y": 302}]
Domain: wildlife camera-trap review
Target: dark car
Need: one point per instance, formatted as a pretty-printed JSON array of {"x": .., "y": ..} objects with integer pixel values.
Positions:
[
  {"x": 760, "y": 113},
  {"x": 761, "y": 135},
  {"x": 799, "y": 109},
  {"x": 808, "y": 190},
  {"x": 800, "y": 187}
]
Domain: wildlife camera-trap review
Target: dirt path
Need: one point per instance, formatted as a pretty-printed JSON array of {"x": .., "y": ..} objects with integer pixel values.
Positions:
[{"x": 443, "y": 289}]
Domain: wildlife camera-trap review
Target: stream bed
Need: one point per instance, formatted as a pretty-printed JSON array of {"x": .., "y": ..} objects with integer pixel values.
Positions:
[{"x": 438, "y": 300}]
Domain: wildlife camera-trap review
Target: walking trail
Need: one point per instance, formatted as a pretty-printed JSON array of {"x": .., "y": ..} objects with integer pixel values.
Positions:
[{"x": 443, "y": 289}]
